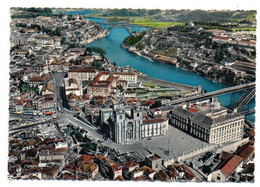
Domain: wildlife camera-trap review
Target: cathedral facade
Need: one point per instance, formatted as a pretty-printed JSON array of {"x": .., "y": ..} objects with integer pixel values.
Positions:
[{"x": 126, "y": 124}]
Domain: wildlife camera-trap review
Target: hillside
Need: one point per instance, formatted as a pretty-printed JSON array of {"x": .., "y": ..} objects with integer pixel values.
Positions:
[
  {"x": 202, "y": 15},
  {"x": 178, "y": 15},
  {"x": 193, "y": 50}
]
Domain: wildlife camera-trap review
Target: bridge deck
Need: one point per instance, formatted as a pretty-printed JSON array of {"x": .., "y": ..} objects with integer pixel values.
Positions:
[{"x": 214, "y": 93}]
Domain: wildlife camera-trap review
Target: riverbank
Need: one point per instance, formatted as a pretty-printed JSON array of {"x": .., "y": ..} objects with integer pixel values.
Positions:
[
  {"x": 100, "y": 35},
  {"x": 167, "y": 60},
  {"x": 168, "y": 84}
]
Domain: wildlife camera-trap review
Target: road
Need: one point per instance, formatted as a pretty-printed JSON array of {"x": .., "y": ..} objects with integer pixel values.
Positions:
[
  {"x": 91, "y": 129},
  {"x": 57, "y": 86}
]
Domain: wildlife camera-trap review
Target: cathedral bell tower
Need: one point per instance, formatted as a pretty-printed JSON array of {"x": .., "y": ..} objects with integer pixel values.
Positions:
[
  {"x": 119, "y": 125},
  {"x": 137, "y": 116}
]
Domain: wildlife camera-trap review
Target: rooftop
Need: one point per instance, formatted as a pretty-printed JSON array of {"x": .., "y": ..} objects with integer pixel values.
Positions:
[
  {"x": 229, "y": 165},
  {"x": 82, "y": 70},
  {"x": 245, "y": 151},
  {"x": 155, "y": 120},
  {"x": 130, "y": 164}
]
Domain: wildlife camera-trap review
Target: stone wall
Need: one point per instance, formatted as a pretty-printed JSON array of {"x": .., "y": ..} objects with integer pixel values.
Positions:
[{"x": 169, "y": 84}]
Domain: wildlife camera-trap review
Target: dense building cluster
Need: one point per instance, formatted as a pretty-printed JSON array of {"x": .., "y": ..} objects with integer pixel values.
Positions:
[{"x": 76, "y": 115}]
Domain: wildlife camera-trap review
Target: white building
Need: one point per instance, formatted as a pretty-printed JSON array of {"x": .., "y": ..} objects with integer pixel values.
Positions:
[
  {"x": 209, "y": 122},
  {"x": 73, "y": 85},
  {"x": 83, "y": 74}
]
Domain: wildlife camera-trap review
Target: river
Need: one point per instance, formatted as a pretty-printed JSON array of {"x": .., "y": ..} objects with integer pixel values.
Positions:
[{"x": 111, "y": 44}]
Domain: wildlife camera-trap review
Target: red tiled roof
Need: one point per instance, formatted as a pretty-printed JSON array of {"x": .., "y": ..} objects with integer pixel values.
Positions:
[
  {"x": 111, "y": 78},
  {"x": 147, "y": 169},
  {"x": 122, "y": 81},
  {"x": 225, "y": 155},
  {"x": 177, "y": 167},
  {"x": 46, "y": 76},
  {"x": 60, "y": 149},
  {"x": 246, "y": 64},
  {"x": 221, "y": 38},
  {"x": 21, "y": 51},
  {"x": 148, "y": 103},
  {"x": 230, "y": 165},
  {"x": 192, "y": 110},
  {"x": 115, "y": 167},
  {"x": 97, "y": 83},
  {"x": 36, "y": 79},
  {"x": 170, "y": 173},
  {"x": 48, "y": 147},
  {"x": 155, "y": 120},
  {"x": 119, "y": 73},
  {"x": 99, "y": 97},
  {"x": 251, "y": 132},
  {"x": 85, "y": 96},
  {"x": 82, "y": 70},
  {"x": 100, "y": 157},
  {"x": 130, "y": 164},
  {"x": 19, "y": 102},
  {"x": 55, "y": 63},
  {"x": 187, "y": 173},
  {"x": 153, "y": 157},
  {"x": 85, "y": 158},
  {"x": 243, "y": 41},
  {"x": 95, "y": 80},
  {"x": 245, "y": 151},
  {"x": 67, "y": 176}
]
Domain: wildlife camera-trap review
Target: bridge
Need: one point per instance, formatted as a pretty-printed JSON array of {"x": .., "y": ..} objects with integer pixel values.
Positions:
[
  {"x": 127, "y": 27},
  {"x": 239, "y": 105},
  {"x": 250, "y": 111},
  {"x": 244, "y": 100}
]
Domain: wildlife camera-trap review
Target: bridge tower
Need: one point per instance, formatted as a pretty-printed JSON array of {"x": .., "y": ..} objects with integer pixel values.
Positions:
[{"x": 233, "y": 99}]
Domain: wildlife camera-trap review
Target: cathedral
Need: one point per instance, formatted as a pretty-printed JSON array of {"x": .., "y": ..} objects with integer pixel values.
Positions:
[{"x": 125, "y": 124}]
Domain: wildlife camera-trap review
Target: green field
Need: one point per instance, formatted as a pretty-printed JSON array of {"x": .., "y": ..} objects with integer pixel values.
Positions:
[
  {"x": 154, "y": 24},
  {"x": 242, "y": 29},
  {"x": 143, "y": 21}
]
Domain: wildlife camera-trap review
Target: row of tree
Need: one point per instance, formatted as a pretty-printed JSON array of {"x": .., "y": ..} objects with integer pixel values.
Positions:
[
  {"x": 130, "y": 12},
  {"x": 133, "y": 39}
]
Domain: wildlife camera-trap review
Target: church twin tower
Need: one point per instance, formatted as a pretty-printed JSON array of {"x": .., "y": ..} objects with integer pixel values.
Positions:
[{"x": 128, "y": 124}]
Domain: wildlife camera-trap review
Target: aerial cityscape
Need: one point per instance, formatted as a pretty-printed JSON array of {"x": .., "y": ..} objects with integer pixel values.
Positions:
[{"x": 132, "y": 94}]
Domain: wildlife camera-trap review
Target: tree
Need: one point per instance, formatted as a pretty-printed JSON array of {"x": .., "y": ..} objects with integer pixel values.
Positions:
[
  {"x": 133, "y": 39},
  {"x": 23, "y": 25},
  {"x": 87, "y": 52},
  {"x": 78, "y": 135},
  {"x": 156, "y": 104},
  {"x": 35, "y": 26},
  {"x": 63, "y": 39}
]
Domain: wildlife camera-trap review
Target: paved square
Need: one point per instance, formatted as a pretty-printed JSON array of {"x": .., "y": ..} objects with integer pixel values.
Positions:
[{"x": 180, "y": 143}]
